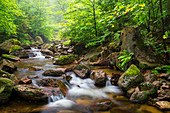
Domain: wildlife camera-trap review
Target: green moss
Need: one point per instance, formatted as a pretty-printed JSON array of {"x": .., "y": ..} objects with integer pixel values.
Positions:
[
  {"x": 67, "y": 42},
  {"x": 64, "y": 58},
  {"x": 15, "y": 42},
  {"x": 10, "y": 57},
  {"x": 132, "y": 71}
]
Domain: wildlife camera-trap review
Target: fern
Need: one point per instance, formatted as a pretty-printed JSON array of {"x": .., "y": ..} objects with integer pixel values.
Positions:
[{"x": 125, "y": 58}]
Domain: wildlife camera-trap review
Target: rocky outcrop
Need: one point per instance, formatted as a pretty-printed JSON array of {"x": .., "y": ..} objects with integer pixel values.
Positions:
[
  {"x": 29, "y": 92},
  {"x": 39, "y": 39},
  {"x": 82, "y": 71},
  {"x": 46, "y": 52},
  {"x": 8, "y": 66},
  {"x": 131, "y": 78},
  {"x": 10, "y": 57},
  {"x": 65, "y": 59},
  {"x": 6, "y": 86},
  {"x": 55, "y": 73},
  {"x": 100, "y": 78}
]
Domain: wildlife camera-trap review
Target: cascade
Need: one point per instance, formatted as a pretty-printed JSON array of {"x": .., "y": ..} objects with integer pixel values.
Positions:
[{"x": 37, "y": 53}]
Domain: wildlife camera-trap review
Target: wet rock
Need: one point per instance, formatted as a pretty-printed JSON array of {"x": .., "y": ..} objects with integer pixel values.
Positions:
[
  {"x": 139, "y": 97},
  {"x": 47, "y": 56},
  {"x": 101, "y": 105},
  {"x": 25, "y": 81},
  {"x": 35, "y": 68},
  {"x": 149, "y": 87},
  {"x": 6, "y": 86},
  {"x": 12, "y": 77},
  {"x": 82, "y": 71},
  {"x": 10, "y": 57},
  {"x": 30, "y": 92},
  {"x": 55, "y": 73},
  {"x": 39, "y": 39},
  {"x": 46, "y": 52},
  {"x": 65, "y": 59},
  {"x": 131, "y": 78},
  {"x": 163, "y": 105},
  {"x": 114, "y": 79},
  {"x": 31, "y": 54},
  {"x": 149, "y": 77},
  {"x": 130, "y": 92},
  {"x": 100, "y": 78},
  {"x": 52, "y": 86},
  {"x": 33, "y": 77},
  {"x": 8, "y": 66},
  {"x": 67, "y": 78}
]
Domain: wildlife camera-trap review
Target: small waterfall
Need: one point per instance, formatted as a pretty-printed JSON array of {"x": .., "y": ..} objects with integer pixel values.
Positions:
[
  {"x": 37, "y": 53},
  {"x": 54, "y": 98}
]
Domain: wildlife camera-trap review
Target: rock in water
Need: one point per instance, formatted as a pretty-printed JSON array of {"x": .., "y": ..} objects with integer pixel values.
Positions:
[
  {"x": 82, "y": 71},
  {"x": 100, "y": 78},
  {"x": 6, "y": 86},
  {"x": 139, "y": 97},
  {"x": 65, "y": 59},
  {"x": 163, "y": 105},
  {"x": 131, "y": 78},
  {"x": 55, "y": 73},
  {"x": 30, "y": 92}
]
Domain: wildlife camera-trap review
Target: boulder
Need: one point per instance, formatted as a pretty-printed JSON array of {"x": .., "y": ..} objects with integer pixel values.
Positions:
[
  {"x": 46, "y": 52},
  {"x": 35, "y": 68},
  {"x": 6, "y": 86},
  {"x": 65, "y": 59},
  {"x": 30, "y": 93},
  {"x": 9, "y": 76},
  {"x": 52, "y": 86},
  {"x": 131, "y": 78},
  {"x": 100, "y": 78},
  {"x": 10, "y": 57},
  {"x": 82, "y": 71},
  {"x": 39, "y": 39},
  {"x": 6, "y": 46},
  {"x": 149, "y": 77},
  {"x": 163, "y": 95},
  {"x": 139, "y": 97},
  {"x": 163, "y": 105},
  {"x": 8, "y": 66},
  {"x": 149, "y": 87},
  {"x": 55, "y": 73},
  {"x": 101, "y": 105}
]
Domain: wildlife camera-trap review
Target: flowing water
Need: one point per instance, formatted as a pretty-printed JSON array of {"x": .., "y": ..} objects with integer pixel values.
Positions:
[{"x": 81, "y": 93}]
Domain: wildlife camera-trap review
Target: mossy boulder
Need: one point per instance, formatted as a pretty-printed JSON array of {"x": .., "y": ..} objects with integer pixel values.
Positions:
[
  {"x": 10, "y": 57},
  {"x": 21, "y": 53},
  {"x": 38, "y": 39},
  {"x": 6, "y": 46},
  {"x": 139, "y": 97},
  {"x": 4, "y": 74},
  {"x": 8, "y": 66},
  {"x": 46, "y": 52},
  {"x": 149, "y": 87},
  {"x": 65, "y": 59},
  {"x": 131, "y": 78},
  {"x": 149, "y": 77},
  {"x": 6, "y": 86},
  {"x": 82, "y": 71}
]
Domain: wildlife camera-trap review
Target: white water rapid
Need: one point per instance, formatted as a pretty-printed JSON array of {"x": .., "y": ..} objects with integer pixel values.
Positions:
[{"x": 37, "y": 53}]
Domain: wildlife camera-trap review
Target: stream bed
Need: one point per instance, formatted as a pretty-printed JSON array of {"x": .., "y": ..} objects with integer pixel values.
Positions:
[{"x": 81, "y": 94}]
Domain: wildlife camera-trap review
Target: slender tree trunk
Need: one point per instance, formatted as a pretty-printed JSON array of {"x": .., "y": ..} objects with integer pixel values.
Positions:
[
  {"x": 94, "y": 18},
  {"x": 163, "y": 30}
]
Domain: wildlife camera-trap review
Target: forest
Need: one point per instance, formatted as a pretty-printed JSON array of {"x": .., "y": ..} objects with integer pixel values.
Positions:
[{"x": 129, "y": 39}]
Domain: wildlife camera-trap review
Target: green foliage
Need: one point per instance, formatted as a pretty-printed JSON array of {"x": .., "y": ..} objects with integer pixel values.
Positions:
[
  {"x": 14, "y": 47},
  {"x": 125, "y": 58},
  {"x": 164, "y": 68},
  {"x": 67, "y": 42}
]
